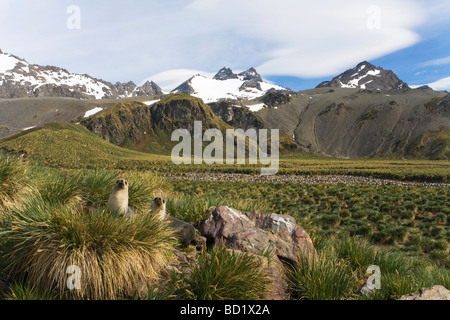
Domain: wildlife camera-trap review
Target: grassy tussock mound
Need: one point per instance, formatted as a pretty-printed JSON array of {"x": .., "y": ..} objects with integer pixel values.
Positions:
[
  {"x": 14, "y": 182},
  {"x": 113, "y": 254}
]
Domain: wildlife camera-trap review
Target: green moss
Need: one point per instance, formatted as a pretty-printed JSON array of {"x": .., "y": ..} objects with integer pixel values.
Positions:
[{"x": 433, "y": 145}]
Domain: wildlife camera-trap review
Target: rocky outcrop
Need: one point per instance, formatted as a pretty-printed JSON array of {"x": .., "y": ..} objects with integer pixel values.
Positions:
[
  {"x": 225, "y": 74},
  {"x": 434, "y": 293},
  {"x": 236, "y": 115},
  {"x": 185, "y": 88},
  {"x": 256, "y": 232},
  {"x": 250, "y": 75},
  {"x": 141, "y": 127},
  {"x": 426, "y": 88},
  {"x": 445, "y": 102},
  {"x": 149, "y": 88},
  {"x": 275, "y": 98},
  {"x": 251, "y": 84},
  {"x": 274, "y": 236}
]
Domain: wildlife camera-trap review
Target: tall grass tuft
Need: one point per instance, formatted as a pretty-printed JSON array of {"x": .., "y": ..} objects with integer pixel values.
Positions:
[
  {"x": 14, "y": 182},
  {"x": 142, "y": 188},
  {"x": 325, "y": 278},
  {"x": 97, "y": 185},
  {"x": 59, "y": 188},
  {"x": 223, "y": 274},
  {"x": 359, "y": 252},
  {"x": 114, "y": 254}
]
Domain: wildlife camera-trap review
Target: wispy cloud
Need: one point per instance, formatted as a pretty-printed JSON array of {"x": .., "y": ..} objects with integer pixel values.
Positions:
[
  {"x": 299, "y": 38},
  {"x": 435, "y": 62}
]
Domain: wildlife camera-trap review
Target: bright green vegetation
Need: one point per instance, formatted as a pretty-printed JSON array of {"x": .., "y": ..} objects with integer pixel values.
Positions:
[
  {"x": 53, "y": 214},
  {"x": 52, "y": 227},
  {"x": 404, "y": 231},
  {"x": 63, "y": 221},
  {"x": 438, "y": 148},
  {"x": 71, "y": 146},
  {"x": 413, "y": 220},
  {"x": 219, "y": 274},
  {"x": 340, "y": 271}
]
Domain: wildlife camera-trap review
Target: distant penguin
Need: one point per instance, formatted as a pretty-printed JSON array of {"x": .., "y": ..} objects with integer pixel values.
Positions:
[
  {"x": 158, "y": 208},
  {"x": 118, "y": 201}
]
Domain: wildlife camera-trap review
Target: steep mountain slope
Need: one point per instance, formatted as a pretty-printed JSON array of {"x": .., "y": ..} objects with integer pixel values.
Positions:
[
  {"x": 225, "y": 84},
  {"x": 366, "y": 76},
  {"x": 148, "y": 127},
  {"x": 22, "y": 113},
  {"x": 19, "y": 79},
  {"x": 354, "y": 123}
]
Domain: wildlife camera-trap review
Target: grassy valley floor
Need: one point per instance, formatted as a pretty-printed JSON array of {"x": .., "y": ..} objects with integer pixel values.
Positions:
[{"x": 385, "y": 212}]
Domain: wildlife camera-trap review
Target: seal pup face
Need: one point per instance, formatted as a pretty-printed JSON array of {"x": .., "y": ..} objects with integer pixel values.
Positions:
[
  {"x": 121, "y": 184},
  {"x": 159, "y": 202}
]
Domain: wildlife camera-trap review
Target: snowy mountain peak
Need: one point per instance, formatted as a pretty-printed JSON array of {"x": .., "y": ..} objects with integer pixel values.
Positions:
[
  {"x": 250, "y": 74},
  {"x": 366, "y": 76},
  {"x": 225, "y": 84},
  {"x": 225, "y": 74},
  {"x": 19, "y": 79}
]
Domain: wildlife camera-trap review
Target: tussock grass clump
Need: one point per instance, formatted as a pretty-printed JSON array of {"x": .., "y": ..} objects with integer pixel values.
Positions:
[
  {"x": 359, "y": 252},
  {"x": 142, "y": 188},
  {"x": 58, "y": 188},
  {"x": 114, "y": 255},
  {"x": 325, "y": 278},
  {"x": 98, "y": 185},
  {"x": 14, "y": 182},
  {"x": 223, "y": 274}
]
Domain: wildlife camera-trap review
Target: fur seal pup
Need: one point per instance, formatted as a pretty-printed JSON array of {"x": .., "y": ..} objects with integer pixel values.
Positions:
[
  {"x": 185, "y": 232},
  {"x": 158, "y": 208},
  {"x": 118, "y": 201}
]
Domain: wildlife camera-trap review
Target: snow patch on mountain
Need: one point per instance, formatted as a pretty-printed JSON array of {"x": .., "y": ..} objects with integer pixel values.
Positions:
[
  {"x": 20, "y": 79},
  {"x": 7, "y": 63},
  {"x": 257, "y": 107},
  {"x": 247, "y": 85},
  {"x": 92, "y": 112}
]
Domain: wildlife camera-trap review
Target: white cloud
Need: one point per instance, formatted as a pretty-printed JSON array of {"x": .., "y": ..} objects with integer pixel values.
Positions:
[
  {"x": 285, "y": 37},
  {"x": 441, "y": 85},
  {"x": 314, "y": 39},
  {"x": 435, "y": 62},
  {"x": 169, "y": 80}
]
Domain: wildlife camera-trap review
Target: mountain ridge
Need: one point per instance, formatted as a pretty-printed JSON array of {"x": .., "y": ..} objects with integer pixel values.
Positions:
[{"x": 20, "y": 79}]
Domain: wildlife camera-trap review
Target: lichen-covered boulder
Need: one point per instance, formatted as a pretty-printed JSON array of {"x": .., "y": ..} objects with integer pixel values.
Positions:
[{"x": 256, "y": 232}]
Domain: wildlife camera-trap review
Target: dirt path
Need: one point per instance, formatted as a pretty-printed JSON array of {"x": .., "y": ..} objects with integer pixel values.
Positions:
[{"x": 330, "y": 179}]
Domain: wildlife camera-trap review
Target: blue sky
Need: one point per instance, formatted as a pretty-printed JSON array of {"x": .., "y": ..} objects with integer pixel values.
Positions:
[{"x": 295, "y": 43}]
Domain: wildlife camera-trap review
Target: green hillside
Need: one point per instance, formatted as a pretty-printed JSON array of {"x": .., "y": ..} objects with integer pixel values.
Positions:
[{"x": 70, "y": 146}]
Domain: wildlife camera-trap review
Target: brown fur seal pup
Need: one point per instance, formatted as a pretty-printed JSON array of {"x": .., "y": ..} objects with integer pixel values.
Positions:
[
  {"x": 158, "y": 208},
  {"x": 184, "y": 231},
  {"x": 118, "y": 201}
]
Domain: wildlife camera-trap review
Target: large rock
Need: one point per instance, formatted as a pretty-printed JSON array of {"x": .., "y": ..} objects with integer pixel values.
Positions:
[
  {"x": 256, "y": 232},
  {"x": 435, "y": 293}
]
